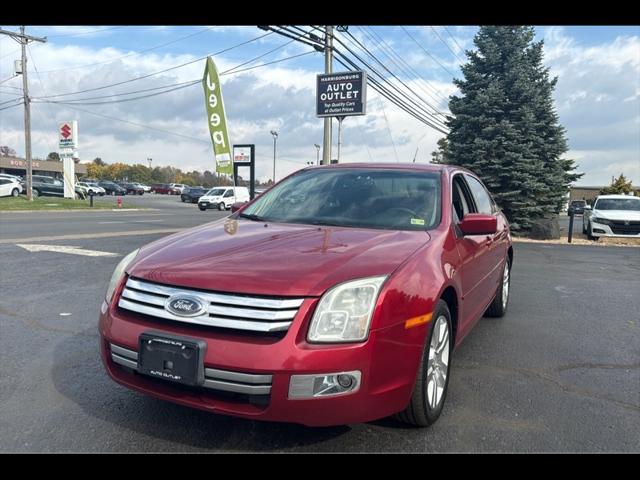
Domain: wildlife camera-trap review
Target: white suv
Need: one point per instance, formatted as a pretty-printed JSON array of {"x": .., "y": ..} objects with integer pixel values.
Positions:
[
  {"x": 612, "y": 216},
  {"x": 223, "y": 197}
]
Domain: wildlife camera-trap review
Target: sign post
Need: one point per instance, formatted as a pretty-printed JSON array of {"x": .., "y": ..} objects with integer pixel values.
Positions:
[
  {"x": 341, "y": 95},
  {"x": 244, "y": 156}
]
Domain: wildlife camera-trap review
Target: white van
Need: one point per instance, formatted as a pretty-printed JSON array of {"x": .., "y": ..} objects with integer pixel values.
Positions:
[{"x": 223, "y": 197}]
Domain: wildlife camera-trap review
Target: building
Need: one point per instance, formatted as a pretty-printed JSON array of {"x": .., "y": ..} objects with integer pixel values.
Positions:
[
  {"x": 587, "y": 193},
  {"x": 18, "y": 166}
]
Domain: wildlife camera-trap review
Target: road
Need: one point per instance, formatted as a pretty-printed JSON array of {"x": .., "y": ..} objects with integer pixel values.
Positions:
[{"x": 560, "y": 373}]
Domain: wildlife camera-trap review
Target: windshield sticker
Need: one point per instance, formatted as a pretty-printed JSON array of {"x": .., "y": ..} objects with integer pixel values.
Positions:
[{"x": 417, "y": 221}]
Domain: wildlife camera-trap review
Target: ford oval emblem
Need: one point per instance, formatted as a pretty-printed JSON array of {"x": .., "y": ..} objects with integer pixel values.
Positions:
[{"x": 184, "y": 306}]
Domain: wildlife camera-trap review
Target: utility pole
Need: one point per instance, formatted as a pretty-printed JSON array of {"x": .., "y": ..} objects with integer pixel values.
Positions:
[
  {"x": 317, "y": 153},
  {"x": 328, "y": 68},
  {"x": 23, "y": 40}
]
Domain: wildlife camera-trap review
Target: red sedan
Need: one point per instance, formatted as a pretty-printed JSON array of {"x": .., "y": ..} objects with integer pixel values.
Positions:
[{"x": 335, "y": 297}]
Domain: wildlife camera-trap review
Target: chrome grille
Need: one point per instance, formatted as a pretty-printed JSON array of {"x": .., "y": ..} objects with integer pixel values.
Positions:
[
  {"x": 222, "y": 310},
  {"x": 214, "y": 379}
]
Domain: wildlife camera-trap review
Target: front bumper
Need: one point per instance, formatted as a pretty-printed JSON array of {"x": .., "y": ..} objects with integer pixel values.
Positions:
[
  {"x": 388, "y": 363},
  {"x": 616, "y": 229}
]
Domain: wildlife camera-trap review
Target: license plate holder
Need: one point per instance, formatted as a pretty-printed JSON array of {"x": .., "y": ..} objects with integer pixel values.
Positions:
[{"x": 173, "y": 358}]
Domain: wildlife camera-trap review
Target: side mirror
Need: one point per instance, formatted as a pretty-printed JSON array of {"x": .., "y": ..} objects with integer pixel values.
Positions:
[
  {"x": 237, "y": 206},
  {"x": 478, "y": 224}
]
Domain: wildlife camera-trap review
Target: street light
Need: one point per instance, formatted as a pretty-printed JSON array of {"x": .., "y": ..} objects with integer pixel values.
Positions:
[
  {"x": 275, "y": 137},
  {"x": 317, "y": 153},
  {"x": 149, "y": 160}
]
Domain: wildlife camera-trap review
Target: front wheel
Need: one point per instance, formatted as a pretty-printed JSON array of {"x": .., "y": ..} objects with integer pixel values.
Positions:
[
  {"x": 35, "y": 193},
  {"x": 202, "y": 209},
  {"x": 432, "y": 380},
  {"x": 15, "y": 192},
  {"x": 222, "y": 206}
]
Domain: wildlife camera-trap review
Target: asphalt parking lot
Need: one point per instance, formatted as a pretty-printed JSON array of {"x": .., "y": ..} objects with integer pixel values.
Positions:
[{"x": 560, "y": 373}]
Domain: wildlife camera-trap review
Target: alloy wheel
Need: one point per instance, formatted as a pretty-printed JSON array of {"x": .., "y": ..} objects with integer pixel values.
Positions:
[
  {"x": 438, "y": 362},
  {"x": 505, "y": 285}
]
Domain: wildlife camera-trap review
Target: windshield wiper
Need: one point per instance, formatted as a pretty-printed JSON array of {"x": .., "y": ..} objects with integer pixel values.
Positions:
[{"x": 251, "y": 216}]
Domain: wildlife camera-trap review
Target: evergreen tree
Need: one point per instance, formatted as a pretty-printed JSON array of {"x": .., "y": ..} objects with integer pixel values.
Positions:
[
  {"x": 504, "y": 126},
  {"x": 618, "y": 186},
  {"x": 442, "y": 154}
]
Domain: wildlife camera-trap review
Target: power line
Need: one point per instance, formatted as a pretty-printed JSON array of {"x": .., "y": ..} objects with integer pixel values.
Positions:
[
  {"x": 445, "y": 44},
  {"x": 427, "y": 52},
  {"x": 75, "y": 67},
  {"x": 427, "y": 104},
  {"x": 454, "y": 40},
  {"x": 389, "y": 129},
  {"x": 11, "y": 106},
  {"x": 161, "y": 71},
  {"x": 407, "y": 103},
  {"x": 435, "y": 91},
  {"x": 84, "y": 33}
]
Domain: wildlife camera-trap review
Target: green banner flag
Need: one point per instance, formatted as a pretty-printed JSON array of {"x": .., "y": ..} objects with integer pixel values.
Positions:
[{"x": 216, "y": 119}]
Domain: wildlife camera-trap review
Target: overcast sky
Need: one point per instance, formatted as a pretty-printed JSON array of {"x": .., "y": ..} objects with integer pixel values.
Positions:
[{"x": 597, "y": 96}]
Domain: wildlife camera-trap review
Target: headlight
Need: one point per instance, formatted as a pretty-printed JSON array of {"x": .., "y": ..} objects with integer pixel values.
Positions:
[
  {"x": 344, "y": 312},
  {"x": 602, "y": 221},
  {"x": 118, "y": 273}
]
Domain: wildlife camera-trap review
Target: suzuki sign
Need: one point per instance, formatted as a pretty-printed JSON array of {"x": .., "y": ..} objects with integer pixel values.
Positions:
[{"x": 68, "y": 134}]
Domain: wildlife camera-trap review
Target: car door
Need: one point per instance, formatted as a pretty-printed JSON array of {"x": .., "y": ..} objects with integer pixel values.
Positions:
[
  {"x": 475, "y": 257},
  {"x": 229, "y": 197},
  {"x": 497, "y": 243}
]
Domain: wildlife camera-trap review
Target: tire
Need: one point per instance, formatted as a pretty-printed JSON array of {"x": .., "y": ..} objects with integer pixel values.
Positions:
[
  {"x": 424, "y": 408},
  {"x": 584, "y": 229},
  {"x": 202, "y": 209},
  {"x": 222, "y": 206},
  {"x": 15, "y": 192},
  {"x": 35, "y": 193},
  {"x": 589, "y": 236},
  {"x": 500, "y": 302}
]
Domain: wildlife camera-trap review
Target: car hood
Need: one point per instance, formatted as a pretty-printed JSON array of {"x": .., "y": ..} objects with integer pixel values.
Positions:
[
  {"x": 243, "y": 256},
  {"x": 633, "y": 215}
]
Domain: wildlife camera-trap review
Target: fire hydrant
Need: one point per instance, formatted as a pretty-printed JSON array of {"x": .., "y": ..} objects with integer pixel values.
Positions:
[{"x": 119, "y": 202}]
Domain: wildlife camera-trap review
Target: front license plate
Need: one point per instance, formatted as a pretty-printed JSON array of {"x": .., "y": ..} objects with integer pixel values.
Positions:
[{"x": 172, "y": 357}]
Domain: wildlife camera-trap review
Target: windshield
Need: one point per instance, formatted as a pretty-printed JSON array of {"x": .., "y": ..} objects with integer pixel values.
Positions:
[
  {"x": 618, "y": 204},
  {"x": 216, "y": 192},
  {"x": 367, "y": 198}
]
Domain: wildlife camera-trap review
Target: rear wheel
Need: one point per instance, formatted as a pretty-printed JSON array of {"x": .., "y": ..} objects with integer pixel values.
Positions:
[
  {"x": 432, "y": 380},
  {"x": 499, "y": 305},
  {"x": 35, "y": 193},
  {"x": 222, "y": 206},
  {"x": 15, "y": 192},
  {"x": 201, "y": 208}
]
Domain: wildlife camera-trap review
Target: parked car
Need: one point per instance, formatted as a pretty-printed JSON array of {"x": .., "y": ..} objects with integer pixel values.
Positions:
[
  {"x": 223, "y": 197},
  {"x": 132, "y": 188},
  {"x": 612, "y": 216},
  {"x": 177, "y": 188},
  {"x": 112, "y": 188},
  {"x": 145, "y": 188},
  {"x": 11, "y": 177},
  {"x": 577, "y": 207},
  {"x": 336, "y": 297},
  {"x": 163, "y": 188},
  {"x": 92, "y": 187},
  {"x": 10, "y": 187},
  {"x": 46, "y": 186},
  {"x": 192, "y": 194}
]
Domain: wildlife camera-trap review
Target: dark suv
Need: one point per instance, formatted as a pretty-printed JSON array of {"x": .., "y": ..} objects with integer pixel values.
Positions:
[
  {"x": 112, "y": 188},
  {"x": 131, "y": 188},
  {"x": 576, "y": 207}
]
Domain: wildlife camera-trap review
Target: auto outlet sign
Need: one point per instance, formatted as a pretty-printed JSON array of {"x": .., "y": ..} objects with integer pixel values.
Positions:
[
  {"x": 68, "y": 134},
  {"x": 341, "y": 94}
]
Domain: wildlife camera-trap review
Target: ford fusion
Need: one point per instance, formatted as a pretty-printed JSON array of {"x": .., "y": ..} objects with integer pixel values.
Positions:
[{"x": 336, "y": 297}]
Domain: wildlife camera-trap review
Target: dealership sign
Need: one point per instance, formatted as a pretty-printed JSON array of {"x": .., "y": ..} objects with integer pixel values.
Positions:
[
  {"x": 242, "y": 154},
  {"x": 341, "y": 94},
  {"x": 68, "y": 134},
  {"x": 216, "y": 119}
]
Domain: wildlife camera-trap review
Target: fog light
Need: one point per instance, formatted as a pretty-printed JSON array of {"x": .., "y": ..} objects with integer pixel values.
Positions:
[{"x": 324, "y": 384}]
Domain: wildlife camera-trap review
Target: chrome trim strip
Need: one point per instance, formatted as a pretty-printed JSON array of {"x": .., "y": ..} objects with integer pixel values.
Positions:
[
  {"x": 125, "y": 362},
  {"x": 216, "y": 297},
  {"x": 206, "y": 319},
  {"x": 253, "y": 314},
  {"x": 124, "y": 352},
  {"x": 143, "y": 297},
  {"x": 234, "y": 387},
  {"x": 214, "y": 374}
]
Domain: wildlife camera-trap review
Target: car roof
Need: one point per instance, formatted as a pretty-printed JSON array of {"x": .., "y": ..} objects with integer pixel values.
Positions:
[
  {"x": 617, "y": 196},
  {"x": 424, "y": 167}
]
